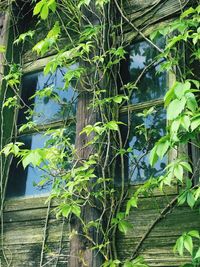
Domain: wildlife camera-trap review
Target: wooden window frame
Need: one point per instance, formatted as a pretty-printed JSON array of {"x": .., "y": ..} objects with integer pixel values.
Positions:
[
  {"x": 136, "y": 107},
  {"x": 29, "y": 68}
]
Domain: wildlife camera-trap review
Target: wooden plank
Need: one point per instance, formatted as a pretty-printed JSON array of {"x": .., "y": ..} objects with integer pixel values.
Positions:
[
  {"x": 167, "y": 191},
  {"x": 34, "y": 233},
  {"x": 36, "y": 65},
  {"x": 145, "y": 13},
  {"x": 30, "y": 202},
  {"x": 160, "y": 14},
  {"x": 23, "y": 203},
  {"x": 29, "y": 255}
]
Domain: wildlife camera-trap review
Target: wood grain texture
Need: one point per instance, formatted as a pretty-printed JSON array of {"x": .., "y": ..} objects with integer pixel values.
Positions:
[
  {"x": 24, "y": 232},
  {"x": 24, "y": 218}
]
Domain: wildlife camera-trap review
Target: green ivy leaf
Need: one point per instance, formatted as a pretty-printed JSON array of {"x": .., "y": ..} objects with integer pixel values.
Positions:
[
  {"x": 52, "y": 5},
  {"x": 182, "y": 198},
  {"x": 190, "y": 199},
  {"x": 112, "y": 125},
  {"x": 76, "y": 210},
  {"x": 169, "y": 95},
  {"x": 66, "y": 210},
  {"x": 188, "y": 243},
  {"x": 2, "y": 49},
  {"x": 197, "y": 194},
  {"x": 187, "y": 12},
  {"x": 22, "y": 37},
  {"x": 44, "y": 12},
  {"x": 191, "y": 102},
  {"x": 188, "y": 183},
  {"x": 185, "y": 122},
  {"x": 181, "y": 88},
  {"x": 84, "y": 2},
  {"x": 186, "y": 166},
  {"x": 118, "y": 99},
  {"x": 128, "y": 264},
  {"x": 101, "y": 3},
  {"x": 197, "y": 254},
  {"x": 33, "y": 157},
  {"x": 162, "y": 148},
  {"x": 179, "y": 246},
  {"x": 194, "y": 233},
  {"x": 175, "y": 108},
  {"x": 195, "y": 123},
  {"x": 124, "y": 226},
  {"x": 178, "y": 172},
  {"x": 38, "y": 7},
  {"x": 132, "y": 202},
  {"x": 153, "y": 158}
]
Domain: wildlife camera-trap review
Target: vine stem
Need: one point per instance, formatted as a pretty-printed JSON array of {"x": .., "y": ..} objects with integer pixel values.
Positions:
[
  {"x": 135, "y": 28},
  {"x": 60, "y": 243},
  {"x": 169, "y": 207},
  {"x": 45, "y": 232},
  {"x": 162, "y": 214}
]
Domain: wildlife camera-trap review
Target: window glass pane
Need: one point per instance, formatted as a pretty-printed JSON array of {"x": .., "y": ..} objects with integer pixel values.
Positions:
[
  {"x": 23, "y": 182},
  {"x": 57, "y": 104},
  {"x": 152, "y": 85},
  {"x": 144, "y": 133}
]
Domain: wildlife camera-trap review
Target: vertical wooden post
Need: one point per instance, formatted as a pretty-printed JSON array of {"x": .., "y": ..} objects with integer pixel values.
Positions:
[{"x": 81, "y": 254}]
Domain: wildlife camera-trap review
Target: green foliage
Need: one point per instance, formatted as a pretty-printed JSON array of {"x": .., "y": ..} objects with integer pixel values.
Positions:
[
  {"x": 13, "y": 78},
  {"x": 44, "y": 45},
  {"x": 11, "y": 102},
  {"x": 186, "y": 243},
  {"x": 93, "y": 63},
  {"x": 42, "y": 8},
  {"x": 138, "y": 262},
  {"x": 122, "y": 224},
  {"x": 12, "y": 148},
  {"x": 23, "y": 37},
  {"x": 2, "y": 49}
]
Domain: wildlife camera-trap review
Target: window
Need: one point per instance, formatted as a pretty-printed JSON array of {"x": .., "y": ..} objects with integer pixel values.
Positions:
[
  {"x": 147, "y": 124},
  {"x": 45, "y": 104}
]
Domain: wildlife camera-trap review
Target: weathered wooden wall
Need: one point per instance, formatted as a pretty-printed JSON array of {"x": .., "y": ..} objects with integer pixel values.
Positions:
[
  {"x": 24, "y": 219},
  {"x": 24, "y": 224},
  {"x": 157, "y": 248}
]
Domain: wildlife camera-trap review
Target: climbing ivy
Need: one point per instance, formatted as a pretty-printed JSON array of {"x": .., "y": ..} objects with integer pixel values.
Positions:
[{"x": 96, "y": 51}]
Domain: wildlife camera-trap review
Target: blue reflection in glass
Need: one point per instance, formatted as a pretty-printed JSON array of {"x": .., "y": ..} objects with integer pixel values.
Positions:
[
  {"x": 152, "y": 85},
  {"x": 139, "y": 167},
  {"x": 24, "y": 182},
  {"x": 57, "y": 104}
]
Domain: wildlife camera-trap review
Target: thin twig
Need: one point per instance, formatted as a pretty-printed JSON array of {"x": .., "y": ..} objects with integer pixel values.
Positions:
[
  {"x": 135, "y": 28},
  {"x": 169, "y": 207}
]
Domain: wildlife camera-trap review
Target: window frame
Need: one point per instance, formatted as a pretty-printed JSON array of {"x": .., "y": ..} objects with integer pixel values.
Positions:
[
  {"x": 29, "y": 68},
  {"x": 159, "y": 102}
]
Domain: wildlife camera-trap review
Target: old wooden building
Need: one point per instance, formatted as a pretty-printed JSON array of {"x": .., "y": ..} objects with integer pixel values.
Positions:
[{"x": 31, "y": 235}]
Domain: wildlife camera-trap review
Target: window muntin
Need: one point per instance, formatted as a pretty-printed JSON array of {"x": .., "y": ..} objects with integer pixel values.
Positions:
[{"x": 45, "y": 113}]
